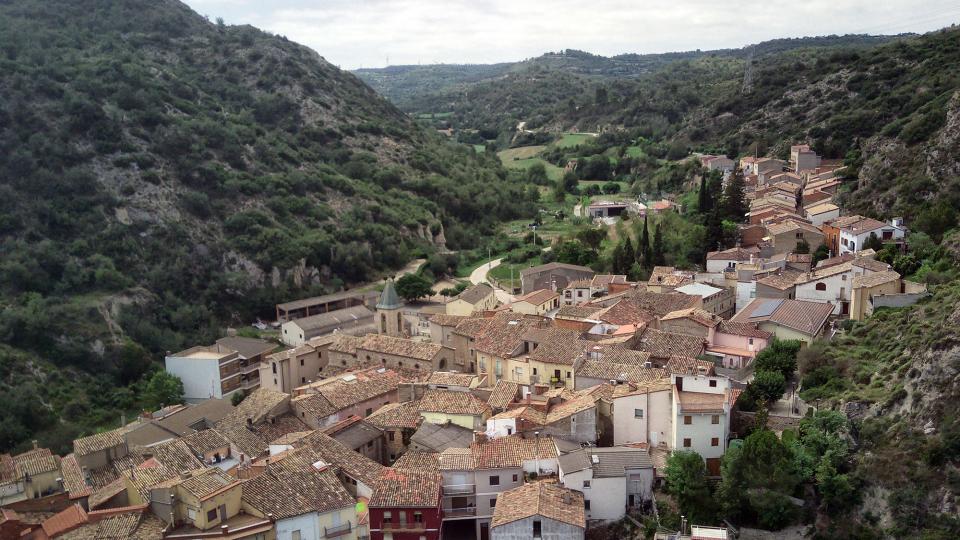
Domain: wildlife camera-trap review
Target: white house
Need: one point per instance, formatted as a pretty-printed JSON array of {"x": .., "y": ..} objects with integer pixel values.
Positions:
[
  {"x": 206, "y": 371},
  {"x": 728, "y": 259},
  {"x": 855, "y": 230},
  {"x": 821, "y": 213},
  {"x": 833, "y": 284},
  {"x": 611, "y": 479},
  {"x": 701, "y": 416},
  {"x": 642, "y": 413}
]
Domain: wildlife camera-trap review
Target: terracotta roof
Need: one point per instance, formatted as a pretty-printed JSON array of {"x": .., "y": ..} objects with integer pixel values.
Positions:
[
  {"x": 660, "y": 304},
  {"x": 453, "y": 402},
  {"x": 877, "y": 278},
  {"x": 426, "y": 461},
  {"x": 701, "y": 402},
  {"x": 73, "y": 478},
  {"x": 66, "y": 520},
  {"x": 142, "y": 479},
  {"x": 406, "y": 488},
  {"x": 313, "y": 404},
  {"x": 537, "y": 297},
  {"x": 503, "y": 337},
  {"x": 579, "y": 284},
  {"x": 36, "y": 464},
  {"x": 688, "y": 364},
  {"x": 175, "y": 455},
  {"x": 356, "y": 387},
  {"x": 806, "y": 317},
  {"x": 396, "y": 415},
  {"x": 696, "y": 315},
  {"x": 606, "y": 370},
  {"x": 858, "y": 224},
  {"x": 475, "y": 294},
  {"x": 256, "y": 406},
  {"x": 291, "y": 438},
  {"x": 733, "y": 254},
  {"x": 666, "y": 344},
  {"x": 417, "y": 350},
  {"x": 447, "y": 320},
  {"x": 351, "y": 463},
  {"x": 511, "y": 452},
  {"x": 556, "y": 345},
  {"x": 632, "y": 389},
  {"x": 100, "y": 441},
  {"x": 208, "y": 440},
  {"x": 868, "y": 263},
  {"x": 791, "y": 225},
  {"x": 540, "y": 499},
  {"x": 627, "y": 311},
  {"x": 344, "y": 343},
  {"x": 782, "y": 280},
  {"x": 473, "y": 326},
  {"x": 449, "y": 378},
  {"x": 457, "y": 459},
  {"x": 246, "y": 441},
  {"x": 743, "y": 329},
  {"x": 287, "y": 354},
  {"x": 287, "y": 492},
  {"x": 578, "y": 312},
  {"x": 503, "y": 394},
  {"x": 205, "y": 482}
]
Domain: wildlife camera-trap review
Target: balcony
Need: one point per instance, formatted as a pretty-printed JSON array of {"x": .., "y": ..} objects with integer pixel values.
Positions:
[
  {"x": 459, "y": 512},
  {"x": 339, "y": 530},
  {"x": 458, "y": 489},
  {"x": 402, "y": 526}
]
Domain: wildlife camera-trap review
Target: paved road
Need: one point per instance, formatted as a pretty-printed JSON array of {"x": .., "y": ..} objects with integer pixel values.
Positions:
[{"x": 479, "y": 275}]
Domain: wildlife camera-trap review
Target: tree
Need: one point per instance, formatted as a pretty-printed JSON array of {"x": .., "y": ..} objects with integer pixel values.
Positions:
[
  {"x": 734, "y": 200},
  {"x": 611, "y": 188},
  {"x": 574, "y": 252},
  {"x": 628, "y": 256},
  {"x": 537, "y": 173},
  {"x": 616, "y": 259},
  {"x": 769, "y": 385},
  {"x": 822, "y": 252},
  {"x": 592, "y": 236},
  {"x": 937, "y": 219},
  {"x": 687, "y": 481},
  {"x": 873, "y": 242},
  {"x": 714, "y": 234},
  {"x": 779, "y": 356},
  {"x": 757, "y": 477},
  {"x": 600, "y": 96},
  {"x": 162, "y": 389},
  {"x": 644, "y": 253},
  {"x": 703, "y": 197},
  {"x": 658, "y": 256},
  {"x": 413, "y": 286},
  {"x": 803, "y": 247}
]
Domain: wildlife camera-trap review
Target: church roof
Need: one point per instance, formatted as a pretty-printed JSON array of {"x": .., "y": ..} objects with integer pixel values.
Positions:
[{"x": 389, "y": 298}]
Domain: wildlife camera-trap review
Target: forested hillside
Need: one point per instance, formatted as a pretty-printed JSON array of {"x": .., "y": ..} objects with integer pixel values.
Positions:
[{"x": 162, "y": 176}]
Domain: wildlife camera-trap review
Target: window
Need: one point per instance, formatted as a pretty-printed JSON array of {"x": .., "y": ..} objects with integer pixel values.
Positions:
[
  {"x": 301, "y": 361},
  {"x": 568, "y": 374},
  {"x": 534, "y": 371},
  {"x": 388, "y": 517},
  {"x": 493, "y": 503},
  {"x": 586, "y": 484},
  {"x": 212, "y": 515},
  {"x": 714, "y": 442},
  {"x": 370, "y": 444},
  {"x": 416, "y": 366},
  {"x": 274, "y": 368},
  {"x": 750, "y": 341},
  {"x": 713, "y": 384},
  {"x": 369, "y": 412},
  {"x": 418, "y": 517},
  {"x": 509, "y": 430},
  {"x": 494, "y": 480},
  {"x": 390, "y": 435},
  {"x": 303, "y": 380},
  {"x": 687, "y": 420},
  {"x": 515, "y": 478},
  {"x": 687, "y": 443},
  {"x": 537, "y": 533},
  {"x": 638, "y": 413},
  {"x": 715, "y": 419},
  {"x": 821, "y": 286},
  {"x": 586, "y": 504}
]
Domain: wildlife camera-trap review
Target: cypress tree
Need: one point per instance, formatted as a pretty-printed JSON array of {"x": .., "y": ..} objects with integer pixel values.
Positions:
[
  {"x": 734, "y": 198},
  {"x": 703, "y": 197},
  {"x": 628, "y": 256},
  {"x": 616, "y": 259},
  {"x": 714, "y": 236},
  {"x": 658, "y": 258},
  {"x": 644, "y": 254}
]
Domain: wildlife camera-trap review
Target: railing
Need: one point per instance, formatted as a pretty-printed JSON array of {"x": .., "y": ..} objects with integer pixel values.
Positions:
[
  {"x": 459, "y": 489},
  {"x": 408, "y": 526},
  {"x": 459, "y": 512},
  {"x": 339, "y": 530}
]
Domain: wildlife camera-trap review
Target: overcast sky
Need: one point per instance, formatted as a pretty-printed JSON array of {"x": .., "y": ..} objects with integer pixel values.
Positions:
[{"x": 375, "y": 33}]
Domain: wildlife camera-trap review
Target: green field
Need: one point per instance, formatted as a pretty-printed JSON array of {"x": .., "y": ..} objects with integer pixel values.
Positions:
[
  {"x": 634, "y": 151},
  {"x": 434, "y": 116},
  {"x": 502, "y": 273},
  {"x": 570, "y": 140},
  {"x": 479, "y": 148},
  {"x": 525, "y": 156}
]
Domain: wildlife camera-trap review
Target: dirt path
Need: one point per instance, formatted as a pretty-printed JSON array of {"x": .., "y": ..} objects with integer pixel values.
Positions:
[{"x": 479, "y": 275}]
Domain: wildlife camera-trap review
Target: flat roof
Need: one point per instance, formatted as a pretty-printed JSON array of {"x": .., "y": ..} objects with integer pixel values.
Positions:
[{"x": 325, "y": 299}]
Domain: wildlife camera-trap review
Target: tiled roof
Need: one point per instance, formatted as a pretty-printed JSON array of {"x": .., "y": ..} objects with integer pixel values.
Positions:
[
  {"x": 447, "y": 320},
  {"x": 418, "y": 350},
  {"x": 537, "y": 297},
  {"x": 73, "y": 479},
  {"x": 346, "y": 460},
  {"x": 101, "y": 476},
  {"x": 632, "y": 389},
  {"x": 453, "y": 402},
  {"x": 248, "y": 442},
  {"x": 256, "y": 406},
  {"x": 344, "y": 343},
  {"x": 578, "y": 312},
  {"x": 287, "y": 354},
  {"x": 733, "y": 254},
  {"x": 607, "y": 370},
  {"x": 291, "y": 438},
  {"x": 627, "y": 311},
  {"x": 871, "y": 264},
  {"x": 540, "y": 499},
  {"x": 476, "y": 293},
  {"x": 806, "y": 317},
  {"x": 687, "y": 364},
  {"x": 456, "y": 459},
  {"x": 356, "y": 387},
  {"x": 100, "y": 441},
  {"x": 511, "y": 452},
  {"x": 743, "y": 329},
  {"x": 660, "y": 304},
  {"x": 858, "y": 224},
  {"x": 102, "y": 495},
  {"x": 176, "y": 455},
  {"x": 503, "y": 337},
  {"x": 613, "y": 462},
  {"x": 208, "y": 440},
  {"x": 205, "y": 482},
  {"x": 876, "y": 278},
  {"x": 66, "y": 520},
  {"x": 406, "y": 488},
  {"x": 439, "y": 437},
  {"x": 789, "y": 226},
  {"x": 208, "y": 412},
  {"x": 313, "y": 404},
  {"x": 289, "y": 492},
  {"x": 142, "y": 479},
  {"x": 36, "y": 464},
  {"x": 336, "y": 317},
  {"x": 696, "y": 315},
  {"x": 396, "y": 415},
  {"x": 473, "y": 326},
  {"x": 279, "y": 426},
  {"x": 448, "y": 378},
  {"x": 701, "y": 402},
  {"x": 247, "y": 347},
  {"x": 557, "y": 346},
  {"x": 426, "y": 461},
  {"x": 353, "y": 432},
  {"x": 782, "y": 280},
  {"x": 666, "y": 344},
  {"x": 620, "y": 354},
  {"x": 503, "y": 394}
]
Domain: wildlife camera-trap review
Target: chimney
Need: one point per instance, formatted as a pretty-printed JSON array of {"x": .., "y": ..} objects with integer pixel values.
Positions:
[
  {"x": 35, "y": 444},
  {"x": 224, "y": 530},
  {"x": 123, "y": 419}
]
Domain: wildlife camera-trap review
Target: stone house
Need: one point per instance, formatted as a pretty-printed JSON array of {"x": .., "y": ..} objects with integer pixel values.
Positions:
[{"x": 539, "y": 510}]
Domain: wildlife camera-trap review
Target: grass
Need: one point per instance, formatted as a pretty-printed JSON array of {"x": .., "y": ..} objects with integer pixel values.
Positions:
[
  {"x": 480, "y": 148},
  {"x": 522, "y": 152},
  {"x": 434, "y": 116},
  {"x": 634, "y": 151},
  {"x": 570, "y": 140},
  {"x": 502, "y": 273},
  {"x": 524, "y": 157}
]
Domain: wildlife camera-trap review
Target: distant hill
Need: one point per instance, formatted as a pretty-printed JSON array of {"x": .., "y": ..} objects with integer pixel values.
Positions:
[{"x": 162, "y": 175}]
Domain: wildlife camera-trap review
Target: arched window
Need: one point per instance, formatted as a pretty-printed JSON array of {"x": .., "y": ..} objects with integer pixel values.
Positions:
[
  {"x": 443, "y": 364},
  {"x": 821, "y": 286}
]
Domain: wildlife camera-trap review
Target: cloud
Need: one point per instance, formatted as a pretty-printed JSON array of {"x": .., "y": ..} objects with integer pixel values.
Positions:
[{"x": 354, "y": 33}]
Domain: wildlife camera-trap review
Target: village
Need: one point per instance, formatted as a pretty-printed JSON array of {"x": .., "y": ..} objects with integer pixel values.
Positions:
[{"x": 540, "y": 413}]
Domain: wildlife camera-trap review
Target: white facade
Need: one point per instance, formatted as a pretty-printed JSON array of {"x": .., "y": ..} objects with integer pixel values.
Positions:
[
  {"x": 715, "y": 266},
  {"x": 820, "y": 214},
  {"x": 642, "y": 418},
  {"x": 200, "y": 375},
  {"x": 852, "y": 243},
  {"x": 314, "y": 525},
  {"x": 746, "y": 292},
  {"x": 833, "y": 289},
  {"x": 705, "y": 430},
  {"x": 291, "y": 334},
  {"x": 501, "y": 427},
  {"x": 607, "y": 496}
]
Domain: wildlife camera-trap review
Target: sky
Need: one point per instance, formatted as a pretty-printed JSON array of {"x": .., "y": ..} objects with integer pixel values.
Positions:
[{"x": 376, "y": 33}]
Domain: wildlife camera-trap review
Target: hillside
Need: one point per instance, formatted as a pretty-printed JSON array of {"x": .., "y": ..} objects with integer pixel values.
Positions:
[{"x": 162, "y": 176}]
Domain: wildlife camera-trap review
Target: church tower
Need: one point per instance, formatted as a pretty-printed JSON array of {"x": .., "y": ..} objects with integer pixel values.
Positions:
[{"x": 389, "y": 312}]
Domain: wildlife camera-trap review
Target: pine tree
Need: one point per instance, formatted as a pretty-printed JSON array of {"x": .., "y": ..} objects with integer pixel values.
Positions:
[
  {"x": 734, "y": 199},
  {"x": 658, "y": 258},
  {"x": 628, "y": 256},
  {"x": 714, "y": 236},
  {"x": 616, "y": 259},
  {"x": 644, "y": 254},
  {"x": 703, "y": 197}
]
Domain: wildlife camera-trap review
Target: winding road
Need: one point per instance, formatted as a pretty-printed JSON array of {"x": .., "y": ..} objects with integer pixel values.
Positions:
[{"x": 479, "y": 275}]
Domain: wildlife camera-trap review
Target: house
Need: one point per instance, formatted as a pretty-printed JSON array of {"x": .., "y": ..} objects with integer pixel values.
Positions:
[
  {"x": 728, "y": 259},
  {"x": 539, "y": 510},
  {"x": 641, "y": 412},
  {"x": 604, "y": 284},
  {"x": 404, "y": 353},
  {"x": 398, "y": 421},
  {"x": 351, "y": 319},
  {"x": 211, "y": 371},
  {"x": 575, "y": 418},
  {"x": 251, "y": 352},
  {"x": 614, "y": 364},
  {"x": 691, "y": 321},
  {"x": 735, "y": 344},
  {"x": 777, "y": 284},
  {"x": 882, "y": 289},
  {"x": 285, "y": 370},
  {"x": 39, "y": 473},
  {"x": 430, "y": 437},
  {"x": 357, "y": 473},
  {"x": 547, "y": 358},
  {"x": 700, "y": 416},
  {"x": 848, "y": 234},
  {"x": 663, "y": 345},
  {"x": 359, "y": 435},
  {"x": 196, "y": 501},
  {"x": 717, "y": 163},
  {"x": 358, "y": 393},
  {"x": 577, "y": 292},
  {"x": 100, "y": 449},
  {"x": 299, "y": 309},
  {"x": 460, "y": 408},
  {"x": 718, "y": 301},
  {"x": 659, "y": 207},
  {"x": 442, "y": 327},
  {"x": 787, "y": 236},
  {"x": 406, "y": 505},
  {"x": 787, "y": 319},
  {"x": 553, "y": 276},
  {"x": 664, "y": 279},
  {"x": 478, "y": 297},
  {"x": 822, "y": 213},
  {"x": 303, "y": 499},
  {"x": 608, "y": 209},
  {"x": 612, "y": 480},
  {"x": 474, "y": 478},
  {"x": 802, "y": 158},
  {"x": 538, "y": 302}
]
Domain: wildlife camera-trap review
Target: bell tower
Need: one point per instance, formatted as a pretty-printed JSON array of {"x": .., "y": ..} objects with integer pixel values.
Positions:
[{"x": 390, "y": 312}]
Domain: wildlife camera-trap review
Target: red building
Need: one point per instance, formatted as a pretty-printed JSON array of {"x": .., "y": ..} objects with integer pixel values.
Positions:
[{"x": 405, "y": 505}]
